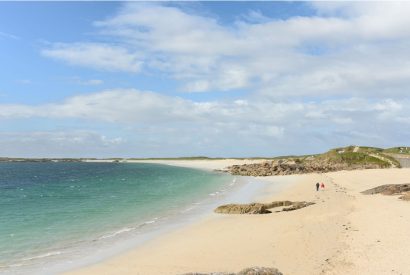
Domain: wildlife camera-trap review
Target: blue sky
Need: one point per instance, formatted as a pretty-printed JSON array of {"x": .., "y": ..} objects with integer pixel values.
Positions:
[
  {"x": 104, "y": 79},
  {"x": 28, "y": 27}
]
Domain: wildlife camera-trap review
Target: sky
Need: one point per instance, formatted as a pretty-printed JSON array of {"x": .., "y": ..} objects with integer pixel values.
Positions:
[{"x": 217, "y": 79}]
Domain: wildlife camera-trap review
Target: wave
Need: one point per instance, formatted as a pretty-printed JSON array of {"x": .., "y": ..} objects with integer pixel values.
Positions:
[
  {"x": 187, "y": 209},
  {"x": 127, "y": 229},
  {"x": 149, "y": 222},
  {"x": 49, "y": 254},
  {"x": 123, "y": 230}
]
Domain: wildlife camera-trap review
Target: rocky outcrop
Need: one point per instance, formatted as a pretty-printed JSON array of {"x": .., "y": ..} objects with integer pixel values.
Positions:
[
  {"x": 391, "y": 190},
  {"x": 252, "y": 208},
  {"x": 273, "y": 168},
  {"x": 260, "y": 271},
  {"x": 246, "y": 271},
  {"x": 260, "y": 208},
  {"x": 388, "y": 189},
  {"x": 297, "y": 205}
]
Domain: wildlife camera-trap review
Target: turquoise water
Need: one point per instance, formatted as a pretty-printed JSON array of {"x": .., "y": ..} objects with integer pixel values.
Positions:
[{"x": 47, "y": 208}]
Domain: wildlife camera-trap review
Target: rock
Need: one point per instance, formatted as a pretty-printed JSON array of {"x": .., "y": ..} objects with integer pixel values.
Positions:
[
  {"x": 388, "y": 189},
  {"x": 246, "y": 271},
  {"x": 291, "y": 166},
  {"x": 298, "y": 205},
  {"x": 260, "y": 271},
  {"x": 252, "y": 208},
  {"x": 278, "y": 204},
  {"x": 260, "y": 208},
  {"x": 391, "y": 189}
]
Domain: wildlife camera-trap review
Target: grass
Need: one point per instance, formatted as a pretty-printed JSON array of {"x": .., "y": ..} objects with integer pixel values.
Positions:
[
  {"x": 398, "y": 150},
  {"x": 357, "y": 158},
  {"x": 361, "y": 157}
]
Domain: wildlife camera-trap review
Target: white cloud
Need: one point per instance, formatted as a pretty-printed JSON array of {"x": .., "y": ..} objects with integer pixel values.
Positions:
[
  {"x": 74, "y": 143},
  {"x": 8, "y": 36},
  {"x": 123, "y": 106},
  {"x": 98, "y": 56},
  {"x": 85, "y": 82},
  {"x": 155, "y": 122},
  {"x": 347, "y": 49},
  {"x": 339, "y": 77},
  {"x": 92, "y": 82}
]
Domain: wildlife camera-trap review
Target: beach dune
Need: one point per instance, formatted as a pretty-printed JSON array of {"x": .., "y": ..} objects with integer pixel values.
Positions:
[{"x": 344, "y": 232}]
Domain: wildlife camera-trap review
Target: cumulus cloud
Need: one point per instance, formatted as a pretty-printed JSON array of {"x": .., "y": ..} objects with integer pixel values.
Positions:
[
  {"x": 98, "y": 56},
  {"x": 74, "y": 143},
  {"x": 346, "y": 49},
  {"x": 160, "y": 124},
  {"x": 335, "y": 78},
  {"x": 92, "y": 82},
  {"x": 121, "y": 106},
  {"x": 133, "y": 106}
]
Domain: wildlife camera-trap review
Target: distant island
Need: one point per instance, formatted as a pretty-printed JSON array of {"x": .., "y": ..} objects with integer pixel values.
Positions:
[{"x": 342, "y": 158}]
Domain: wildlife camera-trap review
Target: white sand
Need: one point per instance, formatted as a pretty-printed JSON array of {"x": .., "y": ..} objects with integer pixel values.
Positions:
[
  {"x": 202, "y": 163},
  {"x": 345, "y": 232}
]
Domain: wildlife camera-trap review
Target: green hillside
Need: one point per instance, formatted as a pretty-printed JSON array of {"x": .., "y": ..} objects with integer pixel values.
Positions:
[
  {"x": 353, "y": 156},
  {"x": 404, "y": 150}
]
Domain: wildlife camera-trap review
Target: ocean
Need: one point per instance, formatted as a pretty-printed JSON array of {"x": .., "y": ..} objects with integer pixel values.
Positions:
[{"x": 58, "y": 211}]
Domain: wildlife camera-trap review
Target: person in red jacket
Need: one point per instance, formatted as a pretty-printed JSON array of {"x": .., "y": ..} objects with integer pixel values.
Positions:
[{"x": 322, "y": 186}]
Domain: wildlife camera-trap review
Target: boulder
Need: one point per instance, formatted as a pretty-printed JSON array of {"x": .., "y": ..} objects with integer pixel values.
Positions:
[
  {"x": 291, "y": 166},
  {"x": 252, "y": 208},
  {"x": 260, "y": 271},
  {"x": 278, "y": 204},
  {"x": 260, "y": 208},
  {"x": 246, "y": 271},
  {"x": 297, "y": 205},
  {"x": 388, "y": 189}
]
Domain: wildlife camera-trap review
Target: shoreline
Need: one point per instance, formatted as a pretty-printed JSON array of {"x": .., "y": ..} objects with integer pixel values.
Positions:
[
  {"x": 241, "y": 190},
  {"x": 245, "y": 190},
  {"x": 338, "y": 235}
]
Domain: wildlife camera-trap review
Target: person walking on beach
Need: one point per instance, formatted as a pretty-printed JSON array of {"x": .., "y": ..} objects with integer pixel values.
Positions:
[
  {"x": 322, "y": 186},
  {"x": 317, "y": 186}
]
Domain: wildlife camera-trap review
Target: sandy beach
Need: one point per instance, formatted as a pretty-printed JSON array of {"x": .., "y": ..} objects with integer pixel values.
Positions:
[{"x": 344, "y": 232}]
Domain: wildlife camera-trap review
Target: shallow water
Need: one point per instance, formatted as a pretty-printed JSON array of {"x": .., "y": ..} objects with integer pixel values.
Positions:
[{"x": 50, "y": 210}]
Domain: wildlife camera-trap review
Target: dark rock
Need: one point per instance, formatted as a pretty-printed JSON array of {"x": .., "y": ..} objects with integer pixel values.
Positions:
[
  {"x": 260, "y": 271},
  {"x": 297, "y": 205},
  {"x": 252, "y": 208},
  {"x": 297, "y": 166},
  {"x": 246, "y": 271},
  {"x": 388, "y": 189},
  {"x": 260, "y": 208}
]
